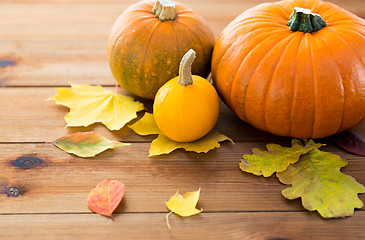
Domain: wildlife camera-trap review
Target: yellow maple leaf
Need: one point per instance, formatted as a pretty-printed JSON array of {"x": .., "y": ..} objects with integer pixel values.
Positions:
[
  {"x": 91, "y": 104},
  {"x": 164, "y": 145},
  {"x": 146, "y": 125},
  {"x": 183, "y": 205}
]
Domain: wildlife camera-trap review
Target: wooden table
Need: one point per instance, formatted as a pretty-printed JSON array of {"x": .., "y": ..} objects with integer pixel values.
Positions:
[{"x": 46, "y": 44}]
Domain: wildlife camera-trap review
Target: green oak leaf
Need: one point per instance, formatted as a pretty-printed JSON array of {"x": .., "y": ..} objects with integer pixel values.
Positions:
[
  {"x": 276, "y": 159},
  {"x": 317, "y": 179}
]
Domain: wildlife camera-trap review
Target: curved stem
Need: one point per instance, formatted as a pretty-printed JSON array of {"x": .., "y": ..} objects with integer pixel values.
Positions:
[
  {"x": 165, "y": 10},
  {"x": 185, "y": 77},
  {"x": 167, "y": 220},
  {"x": 303, "y": 20}
]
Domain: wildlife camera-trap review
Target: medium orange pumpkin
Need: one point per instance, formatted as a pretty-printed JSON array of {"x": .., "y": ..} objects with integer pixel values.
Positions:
[
  {"x": 306, "y": 80},
  {"x": 149, "y": 39}
]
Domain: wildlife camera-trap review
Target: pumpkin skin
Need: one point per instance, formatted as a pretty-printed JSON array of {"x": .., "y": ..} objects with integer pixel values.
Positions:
[
  {"x": 186, "y": 113},
  {"x": 303, "y": 85},
  {"x": 144, "y": 52}
]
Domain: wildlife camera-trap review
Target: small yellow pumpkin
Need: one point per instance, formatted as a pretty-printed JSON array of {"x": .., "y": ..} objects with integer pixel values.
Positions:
[{"x": 186, "y": 108}]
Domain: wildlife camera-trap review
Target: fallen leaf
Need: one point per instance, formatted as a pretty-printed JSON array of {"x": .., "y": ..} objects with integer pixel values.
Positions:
[
  {"x": 164, "y": 145},
  {"x": 183, "y": 205},
  {"x": 91, "y": 104},
  {"x": 351, "y": 142},
  {"x": 276, "y": 159},
  {"x": 105, "y": 197},
  {"x": 86, "y": 144},
  {"x": 317, "y": 179},
  {"x": 146, "y": 125}
]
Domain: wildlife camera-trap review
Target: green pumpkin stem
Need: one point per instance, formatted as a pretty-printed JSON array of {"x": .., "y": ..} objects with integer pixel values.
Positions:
[
  {"x": 185, "y": 77},
  {"x": 165, "y": 10},
  {"x": 303, "y": 20}
]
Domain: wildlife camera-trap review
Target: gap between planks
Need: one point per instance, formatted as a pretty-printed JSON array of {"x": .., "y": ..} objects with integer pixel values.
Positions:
[{"x": 157, "y": 212}]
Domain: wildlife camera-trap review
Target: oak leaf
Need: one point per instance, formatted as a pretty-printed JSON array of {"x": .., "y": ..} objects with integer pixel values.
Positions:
[
  {"x": 91, "y": 104},
  {"x": 183, "y": 205},
  {"x": 86, "y": 144},
  {"x": 105, "y": 197},
  {"x": 276, "y": 159},
  {"x": 164, "y": 145},
  {"x": 317, "y": 179}
]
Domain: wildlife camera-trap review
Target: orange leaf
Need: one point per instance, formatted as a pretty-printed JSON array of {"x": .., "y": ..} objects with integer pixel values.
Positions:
[{"x": 105, "y": 197}]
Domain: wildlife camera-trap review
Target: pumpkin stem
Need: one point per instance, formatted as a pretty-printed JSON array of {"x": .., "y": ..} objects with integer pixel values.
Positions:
[
  {"x": 303, "y": 20},
  {"x": 185, "y": 77},
  {"x": 165, "y": 10}
]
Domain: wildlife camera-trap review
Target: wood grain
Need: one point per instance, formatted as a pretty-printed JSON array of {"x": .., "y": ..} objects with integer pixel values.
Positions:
[
  {"x": 49, "y": 43},
  {"x": 62, "y": 182},
  {"x": 209, "y": 226},
  {"x": 55, "y": 43},
  {"x": 27, "y": 116}
]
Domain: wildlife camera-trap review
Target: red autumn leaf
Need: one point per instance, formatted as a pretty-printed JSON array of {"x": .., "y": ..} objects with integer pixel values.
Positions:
[
  {"x": 105, "y": 197},
  {"x": 351, "y": 142}
]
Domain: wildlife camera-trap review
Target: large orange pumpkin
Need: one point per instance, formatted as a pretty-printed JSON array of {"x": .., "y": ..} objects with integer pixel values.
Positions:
[
  {"x": 149, "y": 39},
  {"x": 306, "y": 80}
]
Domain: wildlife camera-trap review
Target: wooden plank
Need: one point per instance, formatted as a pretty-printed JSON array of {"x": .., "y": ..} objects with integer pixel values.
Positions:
[
  {"x": 54, "y": 19},
  {"x": 86, "y": 19},
  {"x": 27, "y": 116},
  {"x": 55, "y": 62},
  {"x": 59, "y": 182},
  {"x": 350, "y": 5},
  {"x": 57, "y": 43},
  {"x": 203, "y": 226}
]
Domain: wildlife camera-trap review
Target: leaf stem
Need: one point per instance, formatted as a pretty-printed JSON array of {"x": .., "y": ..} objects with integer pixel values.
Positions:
[{"x": 167, "y": 220}]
